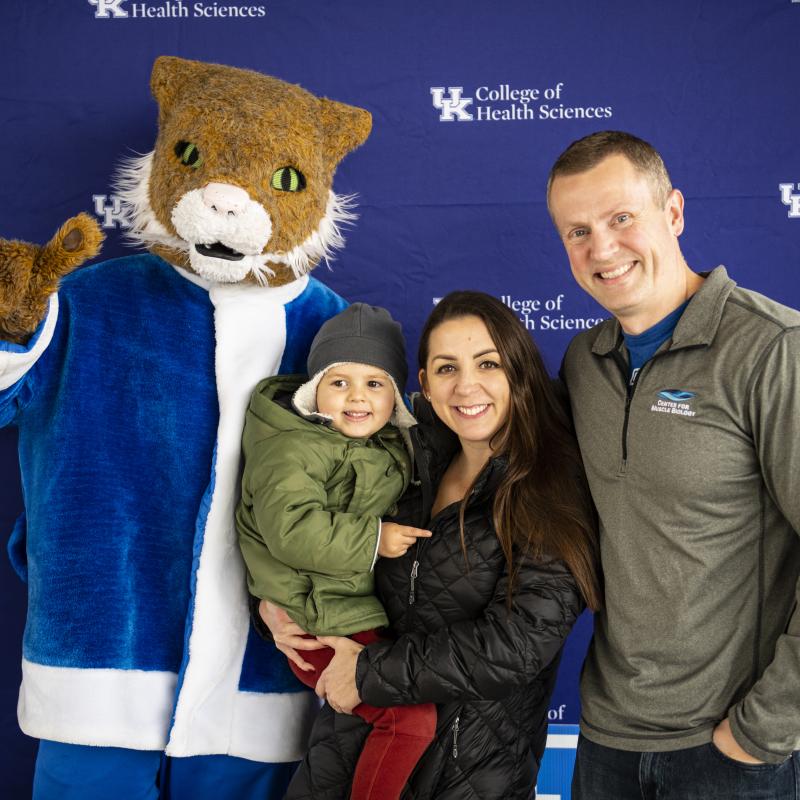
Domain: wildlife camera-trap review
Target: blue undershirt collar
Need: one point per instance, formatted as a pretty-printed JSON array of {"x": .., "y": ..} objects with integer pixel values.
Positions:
[{"x": 643, "y": 346}]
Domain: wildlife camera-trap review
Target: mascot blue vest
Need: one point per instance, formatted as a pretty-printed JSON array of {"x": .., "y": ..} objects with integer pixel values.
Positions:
[{"x": 128, "y": 380}]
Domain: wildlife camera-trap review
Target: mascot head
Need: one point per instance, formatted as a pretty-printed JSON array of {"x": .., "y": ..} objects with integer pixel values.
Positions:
[{"x": 238, "y": 187}]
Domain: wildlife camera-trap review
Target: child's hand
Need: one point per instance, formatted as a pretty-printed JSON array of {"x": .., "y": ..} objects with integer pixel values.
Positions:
[
  {"x": 396, "y": 539},
  {"x": 288, "y": 635}
]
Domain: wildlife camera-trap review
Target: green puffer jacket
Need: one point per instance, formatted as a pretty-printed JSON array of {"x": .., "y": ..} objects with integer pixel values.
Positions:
[{"x": 310, "y": 511}]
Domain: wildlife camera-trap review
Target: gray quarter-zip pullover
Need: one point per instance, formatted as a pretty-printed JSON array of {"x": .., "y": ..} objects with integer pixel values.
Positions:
[{"x": 695, "y": 470}]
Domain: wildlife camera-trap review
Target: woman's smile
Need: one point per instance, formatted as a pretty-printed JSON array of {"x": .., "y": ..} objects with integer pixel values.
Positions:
[{"x": 472, "y": 411}]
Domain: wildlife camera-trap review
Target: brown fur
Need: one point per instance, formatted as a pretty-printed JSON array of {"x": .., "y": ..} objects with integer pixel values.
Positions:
[
  {"x": 29, "y": 274},
  {"x": 247, "y": 125}
]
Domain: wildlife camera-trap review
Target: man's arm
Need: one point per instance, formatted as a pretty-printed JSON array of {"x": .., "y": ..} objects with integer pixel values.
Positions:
[{"x": 766, "y": 722}]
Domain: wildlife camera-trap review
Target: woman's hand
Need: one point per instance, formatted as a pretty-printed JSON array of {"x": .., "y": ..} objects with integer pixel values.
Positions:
[
  {"x": 288, "y": 635},
  {"x": 337, "y": 684},
  {"x": 396, "y": 539}
]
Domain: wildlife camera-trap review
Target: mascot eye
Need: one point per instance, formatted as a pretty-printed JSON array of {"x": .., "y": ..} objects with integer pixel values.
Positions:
[
  {"x": 188, "y": 154},
  {"x": 288, "y": 179}
]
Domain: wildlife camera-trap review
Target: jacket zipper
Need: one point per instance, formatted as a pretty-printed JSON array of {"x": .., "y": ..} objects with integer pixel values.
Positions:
[
  {"x": 630, "y": 388},
  {"x": 420, "y": 545},
  {"x": 423, "y": 474},
  {"x": 455, "y": 737},
  {"x": 414, "y": 572},
  {"x": 412, "y": 594},
  {"x": 630, "y": 384}
]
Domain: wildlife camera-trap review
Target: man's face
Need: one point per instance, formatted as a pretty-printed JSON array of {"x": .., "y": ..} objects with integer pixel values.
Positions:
[{"x": 622, "y": 247}]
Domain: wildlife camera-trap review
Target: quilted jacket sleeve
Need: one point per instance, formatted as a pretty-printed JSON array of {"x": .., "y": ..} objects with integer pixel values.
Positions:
[
  {"x": 286, "y": 477},
  {"x": 487, "y": 658}
]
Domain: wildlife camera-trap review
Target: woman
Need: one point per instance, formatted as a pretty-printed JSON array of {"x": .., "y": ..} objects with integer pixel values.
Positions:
[{"x": 480, "y": 610}]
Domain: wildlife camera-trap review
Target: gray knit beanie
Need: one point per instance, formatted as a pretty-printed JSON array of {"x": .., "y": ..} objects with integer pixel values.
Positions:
[{"x": 361, "y": 334}]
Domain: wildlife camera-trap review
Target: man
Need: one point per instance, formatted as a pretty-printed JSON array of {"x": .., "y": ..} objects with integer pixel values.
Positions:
[{"x": 687, "y": 409}]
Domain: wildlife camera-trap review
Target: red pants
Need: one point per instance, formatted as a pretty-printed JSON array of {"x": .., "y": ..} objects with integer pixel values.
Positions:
[{"x": 399, "y": 736}]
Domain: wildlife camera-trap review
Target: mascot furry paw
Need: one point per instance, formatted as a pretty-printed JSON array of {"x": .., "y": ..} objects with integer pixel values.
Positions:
[{"x": 129, "y": 386}]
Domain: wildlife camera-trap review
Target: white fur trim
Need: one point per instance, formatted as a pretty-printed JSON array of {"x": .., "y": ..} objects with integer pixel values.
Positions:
[
  {"x": 131, "y": 185},
  {"x": 290, "y": 718},
  {"x": 13, "y": 366},
  {"x": 212, "y": 715},
  {"x": 131, "y": 708},
  {"x": 111, "y": 707},
  {"x": 193, "y": 277},
  {"x": 304, "y": 400}
]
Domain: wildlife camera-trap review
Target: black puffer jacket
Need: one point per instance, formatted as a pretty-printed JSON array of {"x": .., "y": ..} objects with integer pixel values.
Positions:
[{"x": 490, "y": 670}]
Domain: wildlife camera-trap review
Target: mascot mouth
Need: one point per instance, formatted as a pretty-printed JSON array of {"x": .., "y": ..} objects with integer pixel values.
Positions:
[{"x": 219, "y": 250}]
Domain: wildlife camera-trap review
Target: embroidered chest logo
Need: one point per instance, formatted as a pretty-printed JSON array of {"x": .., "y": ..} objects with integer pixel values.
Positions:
[{"x": 675, "y": 401}]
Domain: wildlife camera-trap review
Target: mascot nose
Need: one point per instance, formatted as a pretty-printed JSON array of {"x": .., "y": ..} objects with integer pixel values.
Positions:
[{"x": 225, "y": 199}]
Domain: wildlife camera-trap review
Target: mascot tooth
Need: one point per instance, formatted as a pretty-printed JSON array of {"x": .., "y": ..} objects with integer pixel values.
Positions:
[{"x": 128, "y": 380}]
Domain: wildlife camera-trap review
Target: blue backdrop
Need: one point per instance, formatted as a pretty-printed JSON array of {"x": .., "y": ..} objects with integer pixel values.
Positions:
[{"x": 471, "y": 103}]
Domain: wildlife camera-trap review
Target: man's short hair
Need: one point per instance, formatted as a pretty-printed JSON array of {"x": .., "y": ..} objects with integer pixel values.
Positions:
[{"x": 588, "y": 152}]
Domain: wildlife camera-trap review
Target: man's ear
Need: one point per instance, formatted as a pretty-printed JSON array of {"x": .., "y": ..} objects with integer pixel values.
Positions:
[
  {"x": 345, "y": 128},
  {"x": 674, "y": 211}
]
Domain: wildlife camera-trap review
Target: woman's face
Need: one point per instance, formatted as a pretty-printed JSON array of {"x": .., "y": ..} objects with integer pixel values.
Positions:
[{"x": 465, "y": 380}]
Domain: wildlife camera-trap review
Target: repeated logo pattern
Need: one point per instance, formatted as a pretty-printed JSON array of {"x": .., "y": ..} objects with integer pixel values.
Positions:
[
  {"x": 109, "y": 208},
  {"x": 106, "y": 9},
  {"x": 174, "y": 9},
  {"x": 788, "y": 196},
  {"x": 453, "y": 106}
]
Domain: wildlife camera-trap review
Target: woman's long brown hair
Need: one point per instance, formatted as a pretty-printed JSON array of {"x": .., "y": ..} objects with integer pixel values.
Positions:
[{"x": 542, "y": 507}]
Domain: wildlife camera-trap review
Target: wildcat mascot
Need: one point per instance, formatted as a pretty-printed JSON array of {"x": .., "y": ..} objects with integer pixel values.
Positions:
[{"x": 128, "y": 381}]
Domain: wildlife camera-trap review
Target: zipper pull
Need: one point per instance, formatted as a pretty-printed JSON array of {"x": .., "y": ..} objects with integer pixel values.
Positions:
[
  {"x": 414, "y": 572},
  {"x": 455, "y": 737}
]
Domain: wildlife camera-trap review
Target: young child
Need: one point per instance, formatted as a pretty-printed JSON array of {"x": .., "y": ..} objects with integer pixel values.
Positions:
[{"x": 325, "y": 459}]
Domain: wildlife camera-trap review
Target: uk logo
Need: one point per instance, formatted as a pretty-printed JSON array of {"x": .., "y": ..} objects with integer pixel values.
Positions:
[
  {"x": 109, "y": 208},
  {"x": 106, "y": 9},
  {"x": 789, "y": 198},
  {"x": 453, "y": 105}
]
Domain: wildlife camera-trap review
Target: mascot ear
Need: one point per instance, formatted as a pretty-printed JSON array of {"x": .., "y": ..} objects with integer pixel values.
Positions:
[
  {"x": 345, "y": 127},
  {"x": 170, "y": 76}
]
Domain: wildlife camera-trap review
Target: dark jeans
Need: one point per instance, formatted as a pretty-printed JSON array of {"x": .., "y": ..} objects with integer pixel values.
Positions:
[{"x": 697, "y": 773}]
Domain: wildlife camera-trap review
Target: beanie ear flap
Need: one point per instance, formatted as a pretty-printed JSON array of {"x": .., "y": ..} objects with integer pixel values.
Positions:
[{"x": 345, "y": 128}]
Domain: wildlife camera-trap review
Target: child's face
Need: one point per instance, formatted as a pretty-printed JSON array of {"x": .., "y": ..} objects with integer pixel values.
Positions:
[{"x": 358, "y": 397}]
